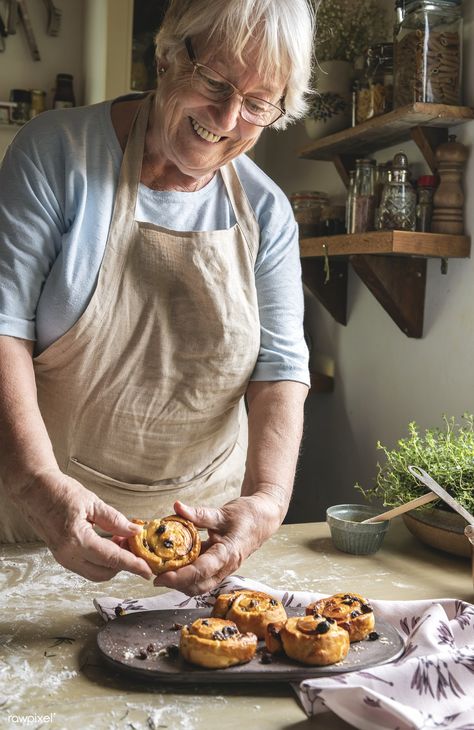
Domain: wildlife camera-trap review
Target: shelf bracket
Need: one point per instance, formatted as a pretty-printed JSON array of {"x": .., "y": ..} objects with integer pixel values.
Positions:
[
  {"x": 428, "y": 139},
  {"x": 344, "y": 164},
  {"x": 333, "y": 293},
  {"x": 398, "y": 284}
]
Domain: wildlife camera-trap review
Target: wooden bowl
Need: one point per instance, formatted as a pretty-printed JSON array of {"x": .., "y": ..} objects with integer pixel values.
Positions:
[{"x": 440, "y": 529}]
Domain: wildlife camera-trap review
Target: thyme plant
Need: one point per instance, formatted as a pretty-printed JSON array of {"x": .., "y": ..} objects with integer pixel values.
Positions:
[{"x": 447, "y": 454}]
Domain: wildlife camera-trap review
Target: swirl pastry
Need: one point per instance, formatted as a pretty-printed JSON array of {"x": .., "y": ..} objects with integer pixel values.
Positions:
[
  {"x": 216, "y": 643},
  {"x": 250, "y": 610},
  {"x": 166, "y": 544},
  {"x": 352, "y": 612},
  {"x": 309, "y": 639}
]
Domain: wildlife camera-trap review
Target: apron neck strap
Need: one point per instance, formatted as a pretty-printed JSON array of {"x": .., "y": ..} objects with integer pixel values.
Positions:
[{"x": 243, "y": 211}]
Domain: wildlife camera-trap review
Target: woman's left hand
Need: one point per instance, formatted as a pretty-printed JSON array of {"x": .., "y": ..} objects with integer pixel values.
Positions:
[{"x": 235, "y": 531}]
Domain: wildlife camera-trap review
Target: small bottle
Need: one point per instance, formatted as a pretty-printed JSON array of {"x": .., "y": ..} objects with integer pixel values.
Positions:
[
  {"x": 37, "y": 102},
  {"x": 382, "y": 175},
  {"x": 64, "y": 92},
  {"x": 364, "y": 196},
  {"x": 425, "y": 189},
  {"x": 350, "y": 203},
  {"x": 398, "y": 206},
  {"x": 22, "y": 99}
]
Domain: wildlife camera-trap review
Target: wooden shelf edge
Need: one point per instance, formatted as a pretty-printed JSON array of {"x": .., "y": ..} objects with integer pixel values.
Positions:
[
  {"x": 385, "y": 130},
  {"x": 321, "y": 383},
  {"x": 397, "y": 243}
]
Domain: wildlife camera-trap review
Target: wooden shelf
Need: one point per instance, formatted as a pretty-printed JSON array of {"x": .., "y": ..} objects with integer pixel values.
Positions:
[
  {"x": 392, "y": 264},
  {"x": 386, "y": 130},
  {"x": 400, "y": 243}
]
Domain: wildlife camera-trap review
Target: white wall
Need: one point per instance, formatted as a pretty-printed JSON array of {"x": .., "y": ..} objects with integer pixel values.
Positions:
[
  {"x": 383, "y": 379},
  {"x": 59, "y": 54}
]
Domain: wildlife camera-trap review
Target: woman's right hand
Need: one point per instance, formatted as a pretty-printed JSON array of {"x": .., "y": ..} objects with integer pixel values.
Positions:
[{"x": 62, "y": 513}]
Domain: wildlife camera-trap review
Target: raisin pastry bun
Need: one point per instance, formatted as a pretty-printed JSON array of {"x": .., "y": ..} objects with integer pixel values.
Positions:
[
  {"x": 250, "y": 610},
  {"x": 309, "y": 639},
  {"x": 166, "y": 544},
  {"x": 352, "y": 612},
  {"x": 216, "y": 643}
]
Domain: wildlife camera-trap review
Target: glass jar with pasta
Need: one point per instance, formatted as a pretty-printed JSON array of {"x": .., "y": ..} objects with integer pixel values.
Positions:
[{"x": 428, "y": 53}]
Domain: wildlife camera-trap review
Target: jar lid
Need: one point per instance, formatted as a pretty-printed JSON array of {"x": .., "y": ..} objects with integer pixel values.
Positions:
[
  {"x": 22, "y": 96},
  {"x": 365, "y": 161},
  {"x": 412, "y": 5},
  {"x": 426, "y": 181}
]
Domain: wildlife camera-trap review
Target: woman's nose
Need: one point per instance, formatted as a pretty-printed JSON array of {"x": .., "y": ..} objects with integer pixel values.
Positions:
[{"x": 227, "y": 112}]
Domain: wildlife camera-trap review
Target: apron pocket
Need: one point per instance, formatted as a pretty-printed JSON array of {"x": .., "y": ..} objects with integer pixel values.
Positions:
[{"x": 98, "y": 482}]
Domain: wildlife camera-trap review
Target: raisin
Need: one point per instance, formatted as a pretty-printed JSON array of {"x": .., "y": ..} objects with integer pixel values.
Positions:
[
  {"x": 176, "y": 627},
  {"x": 173, "y": 651},
  {"x": 161, "y": 530},
  {"x": 365, "y": 608},
  {"x": 273, "y": 602},
  {"x": 205, "y": 622},
  {"x": 266, "y": 658},
  {"x": 150, "y": 648},
  {"x": 168, "y": 543},
  {"x": 323, "y": 627},
  {"x": 118, "y": 610},
  {"x": 373, "y": 636},
  {"x": 354, "y": 614},
  {"x": 142, "y": 654}
]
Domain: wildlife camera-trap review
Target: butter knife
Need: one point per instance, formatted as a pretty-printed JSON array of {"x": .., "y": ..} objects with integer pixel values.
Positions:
[{"x": 433, "y": 486}]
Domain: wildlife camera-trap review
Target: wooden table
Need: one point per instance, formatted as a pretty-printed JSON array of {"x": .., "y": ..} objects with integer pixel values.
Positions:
[{"x": 49, "y": 666}]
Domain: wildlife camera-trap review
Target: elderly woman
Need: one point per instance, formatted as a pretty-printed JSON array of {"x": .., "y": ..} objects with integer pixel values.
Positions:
[{"x": 149, "y": 281}]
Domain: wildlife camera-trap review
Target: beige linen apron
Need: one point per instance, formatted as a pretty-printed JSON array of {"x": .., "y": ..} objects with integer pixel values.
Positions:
[{"x": 142, "y": 397}]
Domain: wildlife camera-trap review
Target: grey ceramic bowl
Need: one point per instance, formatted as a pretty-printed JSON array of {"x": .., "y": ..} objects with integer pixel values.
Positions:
[{"x": 349, "y": 535}]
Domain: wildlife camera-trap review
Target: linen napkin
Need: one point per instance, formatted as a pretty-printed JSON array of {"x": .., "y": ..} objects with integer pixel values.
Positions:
[{"x": 430, "y": 686}]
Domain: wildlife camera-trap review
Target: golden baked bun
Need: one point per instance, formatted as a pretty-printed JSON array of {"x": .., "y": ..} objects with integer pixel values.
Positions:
[
  {"x": 352, "y": 612},
  {"x": 216, "y": 643},
  {"x": 273, "y": 641},
  {"x": 166, "y": 544},
  {"x": 250, "y": 610},
  {"x": 314, "y": 640}
]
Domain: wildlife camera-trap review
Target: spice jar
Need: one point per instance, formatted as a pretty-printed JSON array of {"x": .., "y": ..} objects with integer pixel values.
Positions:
[
  {"x": 425, "y": 189},
  {"x": 307, "y": 206},
  {"x": 37, "y": 102},
  {"x": 64, "y": 92},
  {"x": 350, "y": 203},
  {"x": 374, "y": 95},
  {"x": 428, "y": 53},
  {"x": 364, "y": 196},
  {"x": 21, "y": 112},
  {"x": 398, "y": 205}
]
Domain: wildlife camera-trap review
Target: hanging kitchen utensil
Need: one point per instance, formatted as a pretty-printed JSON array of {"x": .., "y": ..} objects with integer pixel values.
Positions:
[
  {"x": 433, "y": 486},
  {"x": 30, "y": 36},
  {"x": 54, "y": 18},
  {"x": 12, "y": 17}
]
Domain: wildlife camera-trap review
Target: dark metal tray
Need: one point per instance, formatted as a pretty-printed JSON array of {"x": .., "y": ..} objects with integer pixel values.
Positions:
[{"x": 122, "y": 640}]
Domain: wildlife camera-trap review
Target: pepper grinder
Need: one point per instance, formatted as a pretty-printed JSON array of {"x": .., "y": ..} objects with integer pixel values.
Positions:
[{"x": 448, "y": 201}]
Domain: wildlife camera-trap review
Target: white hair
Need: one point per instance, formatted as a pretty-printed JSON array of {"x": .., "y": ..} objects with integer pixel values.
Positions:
[{"x": 284, "y": 30}]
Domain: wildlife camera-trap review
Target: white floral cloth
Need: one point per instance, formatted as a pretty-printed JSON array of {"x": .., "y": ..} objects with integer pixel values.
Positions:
[{"x": 430, "y": 686}]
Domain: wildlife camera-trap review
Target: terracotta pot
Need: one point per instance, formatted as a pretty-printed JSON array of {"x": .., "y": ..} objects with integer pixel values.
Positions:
[
  {"x": 333, "y": 100},
  {"x": 440, "y": 529}
]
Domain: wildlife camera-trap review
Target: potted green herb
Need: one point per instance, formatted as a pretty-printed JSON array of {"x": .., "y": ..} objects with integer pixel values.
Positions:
[
  {"x": 447, "y": 454},
  {"x": 342, "y": 34}
]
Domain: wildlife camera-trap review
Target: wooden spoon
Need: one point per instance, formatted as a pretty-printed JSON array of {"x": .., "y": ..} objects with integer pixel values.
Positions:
[{"x": 413, "y": 504}]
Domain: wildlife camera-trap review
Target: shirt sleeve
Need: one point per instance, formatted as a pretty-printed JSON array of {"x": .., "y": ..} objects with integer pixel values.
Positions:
[
  {"x": 31, "y": 226},
  {"x": 283, "y": 351}
]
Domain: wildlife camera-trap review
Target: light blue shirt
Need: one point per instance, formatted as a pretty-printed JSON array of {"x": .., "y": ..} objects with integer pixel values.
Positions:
[{"x": 57, "y": 188}]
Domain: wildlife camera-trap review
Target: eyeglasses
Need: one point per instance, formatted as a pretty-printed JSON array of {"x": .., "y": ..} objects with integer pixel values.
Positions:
[{"x": 215, "y": 87}]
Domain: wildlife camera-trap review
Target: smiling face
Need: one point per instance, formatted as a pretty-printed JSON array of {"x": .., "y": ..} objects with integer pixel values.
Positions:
[{"x": 197, "y": 135}]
